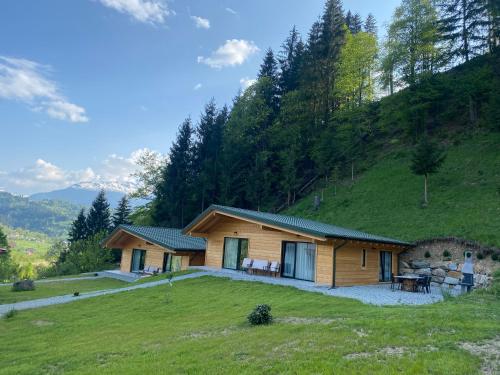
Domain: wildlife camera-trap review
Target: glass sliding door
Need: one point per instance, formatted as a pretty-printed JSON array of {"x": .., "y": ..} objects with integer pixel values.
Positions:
[
  {"x": 138, "y": 258},
  {"x": 289, "y": 259},
  {"x": 172, "y": 263},
  {"x": 235, "y": 250},
  {"x": 385, "y": 273},
  {"x": 299, "y": 260}
]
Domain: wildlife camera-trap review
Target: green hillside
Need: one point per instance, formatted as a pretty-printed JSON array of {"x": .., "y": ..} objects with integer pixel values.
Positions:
[{"x": 386, "y": 199}]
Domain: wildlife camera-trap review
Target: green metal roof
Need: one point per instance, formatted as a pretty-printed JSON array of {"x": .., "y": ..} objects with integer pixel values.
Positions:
[
  {"x": 305, "y": 226},
  {"x": 169, "y": 238}
]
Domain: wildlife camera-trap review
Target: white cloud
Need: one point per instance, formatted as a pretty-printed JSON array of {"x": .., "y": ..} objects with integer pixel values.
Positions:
[
  {"x": 232, "y": 52},
  {"x": 26, "y": 81},
  {"x": 200, "y": 22},
  {"x": 147, "y": 11},
  {"x": 197, "y": 86},
  {"x": 232, "y": 11},
  {"x": 115, "y": 172},
  {"x": 247, "y": 82}
]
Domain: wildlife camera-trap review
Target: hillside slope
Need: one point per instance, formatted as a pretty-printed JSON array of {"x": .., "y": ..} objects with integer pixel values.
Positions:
[{"x": 464, "y": 196}]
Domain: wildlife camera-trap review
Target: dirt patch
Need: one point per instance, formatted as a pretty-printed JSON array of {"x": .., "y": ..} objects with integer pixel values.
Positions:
[
  {"x": 203, "y": 334},
  {"x": 488, "y": 351},
  {"x": 392, "y": 351},
  {"x": 295, "y": 320},
  {"x": 42, "y": 323},
  {"x": 360, "y": 332}
]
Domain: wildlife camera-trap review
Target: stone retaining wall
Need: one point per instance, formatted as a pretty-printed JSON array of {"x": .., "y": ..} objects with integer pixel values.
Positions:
[{"x": 448, "y": 269}]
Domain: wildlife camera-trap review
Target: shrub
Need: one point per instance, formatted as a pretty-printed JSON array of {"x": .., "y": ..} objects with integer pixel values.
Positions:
[
  {"x": 260, "y": 315},
  {"x": 495, "y": 256},
  {"x": 480, "y": 256},
  {"x": 446, "y": 254},
  {"x": 10, "y": 314},
  {"x": 23, "y": 286},
  {"x": 76, "y": 294},
  {"x": 427, "y": 254}
]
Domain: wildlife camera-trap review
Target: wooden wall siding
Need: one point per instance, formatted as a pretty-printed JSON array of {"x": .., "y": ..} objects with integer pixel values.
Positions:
[
  {"x": 126, "y": 260},
  {"x": 263, "y": 244},
  {"x": 349, "y": 271}
]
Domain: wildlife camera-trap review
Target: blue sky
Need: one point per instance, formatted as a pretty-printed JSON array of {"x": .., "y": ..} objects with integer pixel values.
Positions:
[{"x": 85, "y": 84}]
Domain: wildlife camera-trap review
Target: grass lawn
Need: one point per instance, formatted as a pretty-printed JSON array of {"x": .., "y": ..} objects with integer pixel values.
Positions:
[
  {"x": 386, "y": 199},
  {"x": 58, "y": 288},
  {"x": 199, "y": 326}
]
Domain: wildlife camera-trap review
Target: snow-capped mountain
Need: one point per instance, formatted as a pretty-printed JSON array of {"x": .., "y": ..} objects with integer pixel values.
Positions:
[{"x": 85, "y": 192}]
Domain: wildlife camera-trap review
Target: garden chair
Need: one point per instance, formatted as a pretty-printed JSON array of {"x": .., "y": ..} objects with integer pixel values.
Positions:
[
  {"x": 395, "y": 283},
  {"x": 246, "y": 264},
  {"x": 424, "y": 284},
  {"x": 274, "y": 268}
]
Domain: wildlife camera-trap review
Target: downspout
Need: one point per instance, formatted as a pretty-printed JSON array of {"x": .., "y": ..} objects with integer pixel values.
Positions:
[{"x": 334, "y": 264}]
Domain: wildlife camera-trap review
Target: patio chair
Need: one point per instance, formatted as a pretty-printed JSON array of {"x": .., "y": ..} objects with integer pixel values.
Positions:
[
  {"x": 395, "y": 282},
  {"x": 424, "y": 284},
  {"x": 274, "y": 268},
  {"x": 246, "y": 264}
]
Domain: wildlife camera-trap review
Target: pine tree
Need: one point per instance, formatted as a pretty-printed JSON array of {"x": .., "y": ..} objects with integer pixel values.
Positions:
[
  {"x": 370, "y": 25},
  {"x": 465, "y": 26},
  {"x": 356, "y": 25},
  {"x": 269, "y": 70},
  {"x": 3, "y": 239},
  {"x": 122, "y": 212},
  {"x": 173, "y": 205},
  {"x": 427, "y": 159},
  {"x": 290, "y": 61},
  {"x": 98, "y": 218},
  {"x": 78, "y": 230}
]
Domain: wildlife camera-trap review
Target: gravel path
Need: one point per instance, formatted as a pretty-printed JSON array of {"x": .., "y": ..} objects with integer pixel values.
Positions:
[{"x": 371, "y": 294}]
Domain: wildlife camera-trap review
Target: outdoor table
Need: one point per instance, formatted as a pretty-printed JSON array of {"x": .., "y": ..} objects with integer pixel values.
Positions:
[{"x": 409, "y": 282}]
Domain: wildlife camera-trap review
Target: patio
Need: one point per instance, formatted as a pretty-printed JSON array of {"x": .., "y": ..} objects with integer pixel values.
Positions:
[{"x": 378, "y": 294}]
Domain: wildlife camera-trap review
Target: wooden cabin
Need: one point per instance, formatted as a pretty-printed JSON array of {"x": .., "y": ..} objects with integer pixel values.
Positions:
[
  {"x": 306, "y": 249},
  {"x": 165, "y": 249}
]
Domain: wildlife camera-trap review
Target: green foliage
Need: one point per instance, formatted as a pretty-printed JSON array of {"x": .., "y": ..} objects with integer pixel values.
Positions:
[
  {"x": 84, "y": 256},
  {"x": 10, "y": 314},
  {"x": 446, "y": 254},
  {"x": 427, "y": 158},
  {"x": 26, "y": 271},
  {"x": 480, "y": 256},
  {"x": 3, "y": 239},
  {"x": 260, "y": 315},
  {"x": 49, "y": 217},
  {"x": 98, "y": 218},
  {"x": 122, "y": 213},
  {"x": 79, "y": 229},
  {"x": 427, "y": 254}
]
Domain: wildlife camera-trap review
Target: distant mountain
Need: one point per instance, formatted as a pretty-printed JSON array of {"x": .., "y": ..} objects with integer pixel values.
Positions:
[
  {"x": 50, "y": 217},
  {"x": 84, "y": 193}
]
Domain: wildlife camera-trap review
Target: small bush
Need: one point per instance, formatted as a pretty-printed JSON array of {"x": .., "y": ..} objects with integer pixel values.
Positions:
[
  {"x": 480, "y": 256},
  {"x": 495, "y": 256},
  {"x": 427, "y": 254},
  {"x": 446, "y": 254},
  {"x": 260, "y": 315},
  {"x": 76, "y": 294},
  {"x": 10, "y": 314},
  {"x": 23, "y": 286}
]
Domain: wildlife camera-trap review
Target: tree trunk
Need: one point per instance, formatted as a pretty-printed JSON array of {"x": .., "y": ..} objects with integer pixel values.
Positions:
[
  {"x": 352, "y": 171},
  {"x": 426, "y": 201}
]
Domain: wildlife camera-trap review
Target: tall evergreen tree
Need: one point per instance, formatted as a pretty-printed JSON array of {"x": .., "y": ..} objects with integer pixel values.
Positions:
[
  {"x": 3, "y": 239},
  {"x": 269, "y": 70},
  {"x": 465, "y": 25},
  {"x": 427, "y": 159},
  {"x": 207, "y": 155},
  {"x": 98, "y": 218},
  {"x": 122, "y": 212},
  {"x": 356, "y": 24},
  {"x": 370, "y": 25},
  {"x": 290, "y": 61},
  {"x": 79, "y": 230},
  {"x": 173, "y": 205}
]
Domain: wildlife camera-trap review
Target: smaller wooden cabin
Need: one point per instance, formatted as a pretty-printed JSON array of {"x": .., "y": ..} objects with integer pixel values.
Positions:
[
  {"x": 306, "y": 249},
  {"x": 165, "y": 249}
]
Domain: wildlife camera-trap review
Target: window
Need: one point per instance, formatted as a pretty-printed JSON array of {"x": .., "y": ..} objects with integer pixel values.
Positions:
[
  {"x": 298, "y": 260},
  {"x": 235, "y": 250},
  {"x": 138, "y": 258},
  {"x": 363, "y": 258}
]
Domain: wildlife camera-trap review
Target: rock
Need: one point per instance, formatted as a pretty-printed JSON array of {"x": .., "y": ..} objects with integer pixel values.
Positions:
[
  {"x": 404, "y": 264},
  {"x": 441, "y": 265},
  {"x": 405, "y": 271},
  {"x": 437, "y": 279},
  {"x": 451, "y": 280},
  {"x": 23, "y": 285},
  {"x": 439, "y": 273},
  {"x": 420, "y": 264},
  {"x": 423, "y": 271},
  {"x": 481, "y": 279},
  {"x": 452, "y": 266},
  {"x": 455, "y": 274}
]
